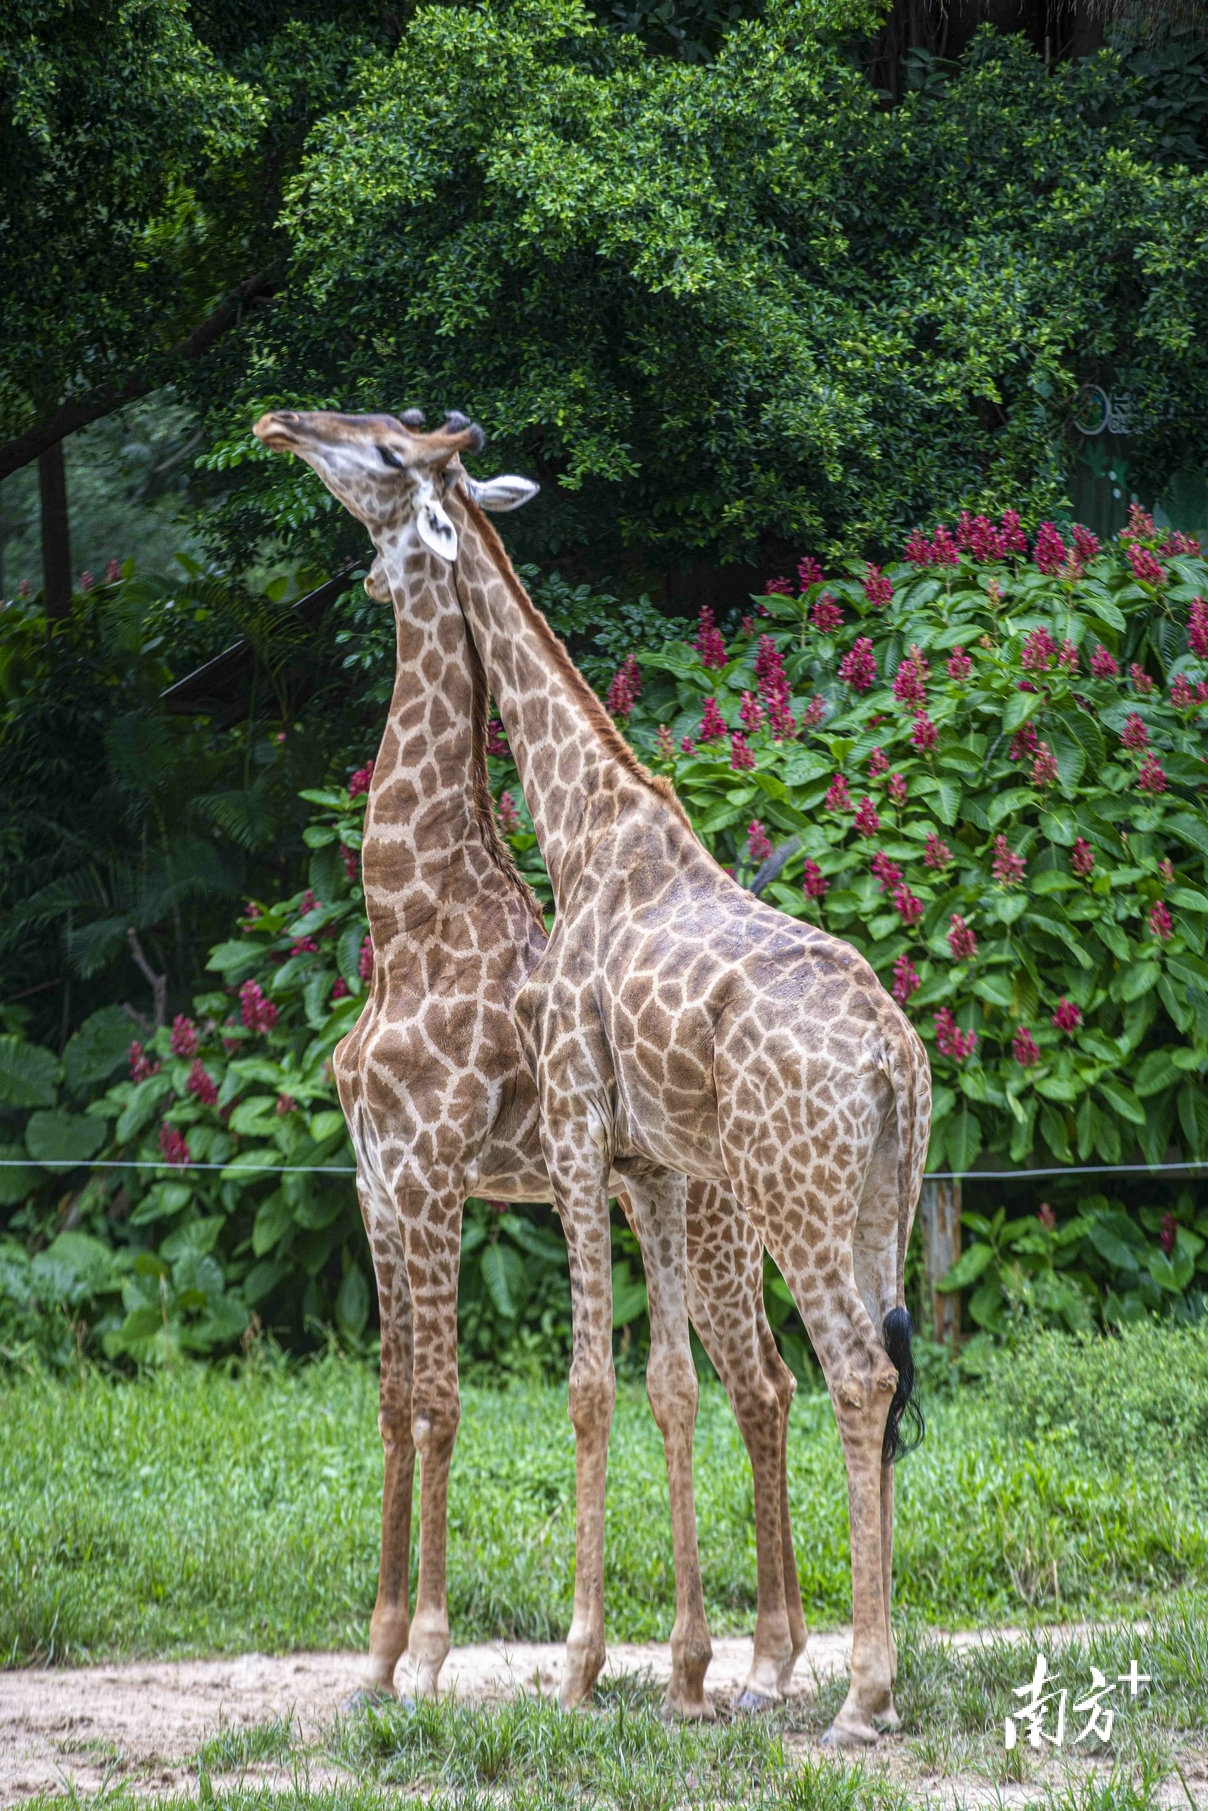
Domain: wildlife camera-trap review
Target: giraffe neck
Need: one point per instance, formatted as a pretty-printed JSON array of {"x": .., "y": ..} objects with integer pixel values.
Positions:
[
  {"x": 430, "y": 842},
  {"x": 578, "y": 774}
]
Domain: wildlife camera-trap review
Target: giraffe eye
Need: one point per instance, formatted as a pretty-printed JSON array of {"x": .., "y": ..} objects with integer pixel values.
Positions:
[{"x": 389, "y": 458}]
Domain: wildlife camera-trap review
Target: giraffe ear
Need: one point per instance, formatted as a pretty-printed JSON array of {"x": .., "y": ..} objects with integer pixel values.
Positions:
[
  {"x": 436, "y": 531},
  {"x": 500, "y": 494}
]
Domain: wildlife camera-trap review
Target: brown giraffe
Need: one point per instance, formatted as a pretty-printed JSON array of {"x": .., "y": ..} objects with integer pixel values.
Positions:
[
  {"x": 676, "y": 1024},
  {"x": 441, "y": 1105}
]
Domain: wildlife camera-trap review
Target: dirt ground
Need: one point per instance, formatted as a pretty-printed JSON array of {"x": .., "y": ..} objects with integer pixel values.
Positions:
[{"x": 143, "y": 1723}]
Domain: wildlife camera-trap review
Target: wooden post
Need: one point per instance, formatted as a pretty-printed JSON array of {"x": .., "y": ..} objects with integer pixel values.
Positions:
[
  {"x": 56, "y": 540},
  {"x": 940, "y": 1217}
]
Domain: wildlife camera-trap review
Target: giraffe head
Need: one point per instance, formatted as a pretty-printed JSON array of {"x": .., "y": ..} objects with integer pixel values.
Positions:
[{"x": 391, "y": 475}]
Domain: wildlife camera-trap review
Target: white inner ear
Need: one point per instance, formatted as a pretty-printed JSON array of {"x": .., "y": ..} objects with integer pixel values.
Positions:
[
  {"x": 436, "y": 531},
  {"x": 500, "y": 494}
]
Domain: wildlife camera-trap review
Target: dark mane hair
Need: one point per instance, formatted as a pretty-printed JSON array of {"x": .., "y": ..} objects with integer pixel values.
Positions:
[{"x": 590, "y": 705}]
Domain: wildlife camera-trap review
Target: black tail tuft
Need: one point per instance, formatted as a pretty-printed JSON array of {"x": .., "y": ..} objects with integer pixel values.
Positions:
[{"x": 896, "y": 1334}]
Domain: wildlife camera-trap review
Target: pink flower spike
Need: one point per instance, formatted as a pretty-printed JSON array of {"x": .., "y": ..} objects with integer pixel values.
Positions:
[
  {"x": 826, "y": 614},
  {"x": 759, "y": 843},
  {"x": 1086, "y": 545},
  {"x": 815, "y": 881},
  {"x": 1067, "y": 1017},
  {"x": 625, "y": 688},
  {"x": 1181, "y": 695},
  {"x": 809, "y": 572},
  {"x": 1007, "y": 868},
  {"x": 664, "y": 744},
  {"x": 910, "y": 680},
  {"x": 141, "y": 1066},
  {"x": 905, "y": 980},
  {"x": 904, "y": 902},
  {"x": 351, "y": 861},
  {"x": 361, "y": 780},
  {"x": 365, "y": 959},
  {"x": 778, "y": 588},
  {"x": 959, "y": 665},
  {"x": 1044, "y": 767},
  {"x": 1067, "y": 657},
  {"x": 687, "y": 746},
  {"x": 184, "y": 1036},
  {"x": 1146, "y": 568},
  {"x": 858, "y": 667},
  {"x": 1024, "y": 742},
  {"x": 877, "y": 764},
  {"x": 918, "y": 550},
  {"x": 1039, "y": 650},
  {"x": 713, "y": 726},
  {"x": 201, "y": 1084},
  {"x": 113, "y": 572},
  {"x": 1134, "y": 734},
  {"x": 1139, "y": 679},
  {"x": 509, "y": 817},
  {"x": 1024, "y": 1048},
  {"x": 877, "y": 588},
  {"x": 1013, "y": 539},
  {"x": 886, "y": 871},
  {"x": 341, "y": 990},
  {"x": 961, "y": 940},
  {"x": 1050, "y": 549},
  {"x": 1082, "y": 858},
  {"x": 838, "y": 798},
  {"x": 1152, "y": 777},
  {"x": 258, "y": 1013},
  {"x": 1103, "y": 664},
  {"x": 896, "y": 783},
  {"x": 750, "y": 713},
  {"x": 1197, "y": 627},
  {"x": 813, "y": 713},
  {"x": 866, "y": 820},
  {"x": 950, "y": 1040},
  {"x": 709, "y": 644},
  {"x": 937, "y": 854},
  {"x": 1160, "y": 921},
  {"x": 497, "y": 742},
  {"x": 172, "y": 1146},
  {"x": 944, "y": 549},
  {"x": 924, "y": 735},
  {"x": 741, "y": 757}
]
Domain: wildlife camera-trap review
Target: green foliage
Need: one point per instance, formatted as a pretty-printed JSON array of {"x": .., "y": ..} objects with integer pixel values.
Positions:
[
  {"x": 945, "y": 827},
  {"x": 192, "y": 1511},
  {"x": 713, "y": 305}
]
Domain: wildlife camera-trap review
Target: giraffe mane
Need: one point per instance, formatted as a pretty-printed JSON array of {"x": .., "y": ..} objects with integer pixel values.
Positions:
[
  {"x": 555, "y": 649},
  {"x": 480, "y": 793}
]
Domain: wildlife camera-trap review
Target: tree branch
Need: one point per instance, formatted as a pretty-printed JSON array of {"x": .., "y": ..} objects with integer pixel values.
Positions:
[{"x": 78, "y": 411}]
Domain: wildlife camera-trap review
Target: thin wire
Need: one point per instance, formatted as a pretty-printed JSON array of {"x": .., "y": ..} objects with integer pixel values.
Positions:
[{"x": 349, "y": 1169}]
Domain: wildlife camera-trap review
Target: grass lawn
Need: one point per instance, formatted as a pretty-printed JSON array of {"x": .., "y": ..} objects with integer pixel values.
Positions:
[{"x": 197, "y": 1513}]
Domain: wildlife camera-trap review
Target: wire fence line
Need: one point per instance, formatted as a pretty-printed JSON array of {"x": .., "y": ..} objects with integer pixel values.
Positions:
[{"x": 235, "y": 1168}]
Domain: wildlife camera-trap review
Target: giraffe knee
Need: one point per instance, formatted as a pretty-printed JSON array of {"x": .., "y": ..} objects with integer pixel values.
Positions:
[
  {"x": 592, "y": 1395},
  {"x": 434, "y": 1422},
  {"x": 672, "y": 1386}
]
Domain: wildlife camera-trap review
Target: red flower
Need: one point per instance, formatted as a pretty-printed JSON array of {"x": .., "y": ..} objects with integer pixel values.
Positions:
[
  {"x": 866, "y": 820},
  {"x": 184, "y": 1036},
  {"x": 351, "y": 861},
  {"x": 905, "y": 980},
  {"x": 1067, "y": 1016},
  {"x": 778, "y": 588},
  {"x": 1044, "y": 767},
  {"x": 815, "y": 881},
  {"x": 258, "y": 1013},
  {"x": 1024, "y": 1048},
  {"x": 826, "y": 614},
  {"x": 950, "y": 1040},
  {"x": 1046, "y": 1216},
  {"x": 918, "y": 550},
  {"x": 809, "y": 572},
  {"x": 908, "y": 908},
  {"x": 365, "y": 959},
  {"x": 877, "y": 588},
  {"x": 286, "y": 1104},
  {"x": 741, "y": 758},
  {"x": 113, "y": 572},
  {"x": 813, "y": 713},
  {"x": 1166, "y": 870},
  {"x": 910, "y": 680},
  {"x": 1050, "y": 548},
  {"x": 141, "y": 1066},
  {"x": 750, "y": 713},
  {"x": 1152, "y": 777},
  {"x": 924, "y": 734},
  {"x": 1086, "y": 545},
  {"x": 886, "y": 871},
  {"x": 1013, "y": 539},
  {"x": 361, "y": 780},
  {"x": 759, "y": 843},
  {"x": 497, "y": 742},
  {"x": 664, "y": 744},
  {"x": 624, "y": 689},
  {"x": 713, "y": 726},
  {"x": 774, "y": 689},
  {"x": 858, "y": 667},
  {"x": 688, "y": 746},
  {"x": 1007, "y": 868},
  {"x": 838, "y": 798},
  {"x": 937, "y": 854},
  {"x": 709, "y": 644},
  {"x": 172, "y": 1146},
  {"x": 1134, "y": 734},
  {"x": 1024, "y": 742},
  {"x": 877, "y": 764},
  {"x": 509, "y": 817},
  {"x": 1169, "y": 1233},
  {"x": 985, "y": 542},
  {"x": 896, "y": 782},
  {"x": 341, "y": 990},
  {"x": 1145, "y": 567},
  {"x": 1160, "y": 922},
  {"x": 1103, "y": 664},
  {"x": 305, "y": 946},
  {"x": 961, "y": 940},
  {"x": 202, "y": 1084},
  {"x": 1082, "y": 858},
  {"x": 1139, "y": 678},
  {"x": 1197, "y": 627},
  {"x": 1039, "y": 650},
  {"x": 87, "y": 581},
  {"x": 1181, "y": 695},
  {"x": 1068, "y": 657},
  {"x": 943, "y": 548},
  {"x": 959, "y": 665},
  {"x": 748, "y": 627}
]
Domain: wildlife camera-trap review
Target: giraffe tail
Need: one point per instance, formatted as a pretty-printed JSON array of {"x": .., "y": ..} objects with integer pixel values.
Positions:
[{"x": 905, "y": 1427}]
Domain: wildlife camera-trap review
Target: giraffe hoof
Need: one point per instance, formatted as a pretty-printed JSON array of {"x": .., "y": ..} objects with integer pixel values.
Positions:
[
  {"x": 694, "y": 1710},
  {"x": 849, "y": 1734},
  {"x": 368, "y": 1697},
  {"x": 756, "y": 1703},
  {"x": 887, "y": 1720}
]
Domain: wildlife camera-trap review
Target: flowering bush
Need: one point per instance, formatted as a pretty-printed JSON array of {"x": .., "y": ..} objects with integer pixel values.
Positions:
[{"x": 1002, "y": 805}]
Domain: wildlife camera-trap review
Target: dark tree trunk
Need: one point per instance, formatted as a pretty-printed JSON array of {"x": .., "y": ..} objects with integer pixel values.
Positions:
[{"x": 56, "y": 539}]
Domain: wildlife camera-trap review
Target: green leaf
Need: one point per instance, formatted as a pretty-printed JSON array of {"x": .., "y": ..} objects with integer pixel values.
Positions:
[
  {"x": 60, "y": 1140},
  {"x": 1060, "y": 824},
  {"x": 964, "y": 1139},
  {"x": 28, "y": 1073},
  {"x": 1019, "y": 707},
  {"x": 235, "y": 960},
  {"x": 502, "y": 1270},
  {"x": 1138, "y": 980},
  {"x": 142, "y": 1107},
  {"x": 968, "y": 1267},
  {"x": 1122, "y": 1100},
  {"x": 97, "y": 1049},
  {"x": 628, "y": 1296},
  {"x": 996, "y": 988},
  {"x": 1172, "y": 1273},
  {"x": 352, "y": 1303}
]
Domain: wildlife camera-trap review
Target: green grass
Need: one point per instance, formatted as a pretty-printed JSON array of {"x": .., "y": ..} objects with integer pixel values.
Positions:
[{"x": 198, "y": 1513}]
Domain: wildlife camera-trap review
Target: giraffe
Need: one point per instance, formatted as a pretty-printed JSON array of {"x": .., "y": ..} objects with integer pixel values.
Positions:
[
  {"x": 440, "y": 1103},
  {"x": 676, "y": 1025}
]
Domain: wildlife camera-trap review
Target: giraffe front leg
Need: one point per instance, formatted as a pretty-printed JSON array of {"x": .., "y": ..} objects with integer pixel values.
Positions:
[
  {"x": 659, "y": 1206},
  {"x": 433, "y": 1255}
]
